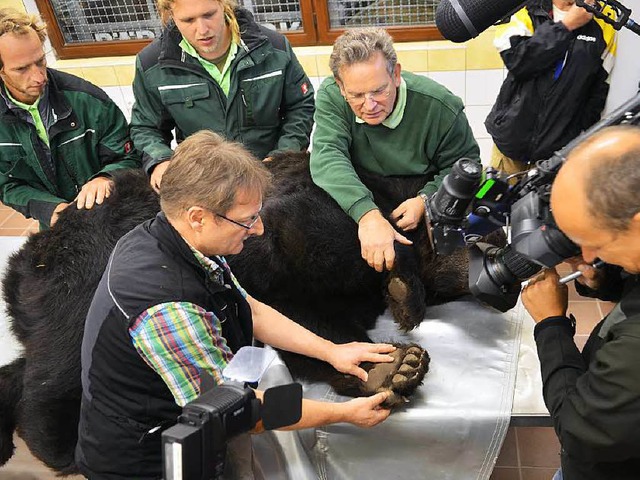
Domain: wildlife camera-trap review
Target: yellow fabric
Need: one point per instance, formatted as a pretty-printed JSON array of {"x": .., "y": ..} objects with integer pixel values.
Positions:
[
  {"x": 507, "y": 165},
  {"x": 520, "y": 24},
  {"x": 610, "y": 36}
]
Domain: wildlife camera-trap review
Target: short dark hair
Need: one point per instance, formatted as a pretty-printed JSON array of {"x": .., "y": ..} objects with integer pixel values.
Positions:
[{"x": 613, "y": 184}]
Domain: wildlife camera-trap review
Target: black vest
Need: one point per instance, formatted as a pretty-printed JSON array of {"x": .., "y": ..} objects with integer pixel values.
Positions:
[{"x": 123, "y": 397}]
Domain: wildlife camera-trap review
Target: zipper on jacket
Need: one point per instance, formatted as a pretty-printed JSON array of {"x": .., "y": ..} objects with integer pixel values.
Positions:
[
  {"x": 249, "y": 121},
  {"x": 71, "y": 176}
]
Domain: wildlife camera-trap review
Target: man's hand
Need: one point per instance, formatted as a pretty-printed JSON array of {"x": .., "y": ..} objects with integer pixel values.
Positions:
[
  {"x": 365, "y": 411},
  {"x": 376, "y": 240},
  {"x": 576, "y": 17},
  {"x": 409, "y": 214},
  {"x": 156, "y": 175},
  {"x": 94, "y": 192},
  {"x": 591, "y": 277},
  {"x": 346, "y": 357},
  {"x": 56, "y": 213},
  {"x": 544, "y": 297}
]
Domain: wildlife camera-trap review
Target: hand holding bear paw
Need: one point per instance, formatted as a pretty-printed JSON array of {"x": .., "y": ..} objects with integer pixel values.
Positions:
[
  {"x": 402, "y": 376},
  {"x": 347, "y": 356}
]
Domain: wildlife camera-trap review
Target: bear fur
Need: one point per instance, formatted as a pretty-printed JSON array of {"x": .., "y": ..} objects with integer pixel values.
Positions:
[{"x": 307, "y": 265}]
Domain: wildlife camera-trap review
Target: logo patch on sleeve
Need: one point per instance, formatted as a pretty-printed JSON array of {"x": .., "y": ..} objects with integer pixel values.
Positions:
[
  {"x": 128, "y": 146},
  {"x": 305, "y": 88}
]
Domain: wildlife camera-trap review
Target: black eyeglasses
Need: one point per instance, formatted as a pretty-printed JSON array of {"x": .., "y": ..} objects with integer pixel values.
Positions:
[{"x": 247, "y": 226}]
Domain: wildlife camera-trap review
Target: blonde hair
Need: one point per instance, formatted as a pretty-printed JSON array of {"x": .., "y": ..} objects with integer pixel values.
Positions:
[
  {"x": 19, "y": 23},
  {"x": 208, "y": 171},
  {"x": 165, "y": 7}
]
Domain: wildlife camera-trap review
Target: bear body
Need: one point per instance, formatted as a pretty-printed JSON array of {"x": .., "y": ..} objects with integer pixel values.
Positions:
[{"x": 307, "y": 265}]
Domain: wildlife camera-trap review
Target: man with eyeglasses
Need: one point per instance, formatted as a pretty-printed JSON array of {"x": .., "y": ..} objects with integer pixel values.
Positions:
[
  {"x": 372, "y": 117},
  {"x": 60, "y": 136},
  {"x": 168, "y": 310}
]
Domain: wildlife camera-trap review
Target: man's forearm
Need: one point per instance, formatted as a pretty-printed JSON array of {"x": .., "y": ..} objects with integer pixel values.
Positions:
[
  {"x": 317, "y": 414},
  {"x": 273, "y": 328}
]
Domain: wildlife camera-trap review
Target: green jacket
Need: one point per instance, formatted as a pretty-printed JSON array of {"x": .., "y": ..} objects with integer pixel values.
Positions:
[
  {"x": 431, "y": 136},
  {"x": 269, "y": 107},
  {"x": 89, "y": 137}
]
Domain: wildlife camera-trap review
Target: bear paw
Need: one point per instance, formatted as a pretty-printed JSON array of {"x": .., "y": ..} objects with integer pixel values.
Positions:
[
  {"x": 406, "y": 300},
  {"x": 402, "y": 376}
]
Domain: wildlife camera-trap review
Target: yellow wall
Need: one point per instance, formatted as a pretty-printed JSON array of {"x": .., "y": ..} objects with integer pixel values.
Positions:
[
  {"x": 17, "y": 4},
  {"x": 424, "y": 57},
  {"x": 472, "y": 70}
]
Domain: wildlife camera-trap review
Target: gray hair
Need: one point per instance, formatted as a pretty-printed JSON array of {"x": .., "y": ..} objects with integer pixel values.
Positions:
[
  {"x": 359, "y": 45},
  {"x": 612, "y": 183}
]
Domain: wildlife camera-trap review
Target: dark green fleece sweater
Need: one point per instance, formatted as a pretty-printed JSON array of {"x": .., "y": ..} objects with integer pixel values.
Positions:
[{"x": 432, "y": 135}]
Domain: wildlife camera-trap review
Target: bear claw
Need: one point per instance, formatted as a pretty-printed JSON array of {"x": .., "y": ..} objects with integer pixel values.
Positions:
[{"x": 402, "y": 376}]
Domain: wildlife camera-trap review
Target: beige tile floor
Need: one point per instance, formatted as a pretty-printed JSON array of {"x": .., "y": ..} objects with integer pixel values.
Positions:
[
  {"x": 14, "y": 224},
  {"x": 24, "y": 466}
]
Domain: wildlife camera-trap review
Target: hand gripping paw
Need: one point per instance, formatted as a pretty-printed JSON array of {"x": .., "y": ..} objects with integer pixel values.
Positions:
[{"x": 402, "y": 376}]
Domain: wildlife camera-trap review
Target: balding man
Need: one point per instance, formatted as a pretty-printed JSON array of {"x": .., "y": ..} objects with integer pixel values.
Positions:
[{"x": 594, "y": 396}]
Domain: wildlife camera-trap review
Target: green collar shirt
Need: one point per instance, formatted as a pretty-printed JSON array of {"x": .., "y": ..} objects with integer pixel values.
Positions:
[{"x": 223, "y": 78}]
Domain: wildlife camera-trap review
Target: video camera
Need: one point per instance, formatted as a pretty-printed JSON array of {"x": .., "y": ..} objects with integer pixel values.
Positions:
[
  {"x": 468, "y": 206},
  {"x": 195, "y": 448}
]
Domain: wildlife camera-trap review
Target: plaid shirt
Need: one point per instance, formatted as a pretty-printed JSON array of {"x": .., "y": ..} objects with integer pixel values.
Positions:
[{"x": 180, "y": 339}]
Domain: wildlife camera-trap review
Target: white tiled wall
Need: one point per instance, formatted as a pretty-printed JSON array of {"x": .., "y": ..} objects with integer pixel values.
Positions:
[
  {"x": 10, "y": 346},
  {"x": 123, "y": 97}
]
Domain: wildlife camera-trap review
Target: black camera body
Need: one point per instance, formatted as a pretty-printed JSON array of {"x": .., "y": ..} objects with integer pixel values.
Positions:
[
  {"x": 195, "y": 448},
  {"x": 495, "y": 274}
]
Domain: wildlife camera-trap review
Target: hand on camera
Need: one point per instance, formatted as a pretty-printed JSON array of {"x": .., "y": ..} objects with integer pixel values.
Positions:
[
  {"x": 544, "y": 297},
  {"x": 591, "y": 277},
  {"x": 576, "y": 17}
]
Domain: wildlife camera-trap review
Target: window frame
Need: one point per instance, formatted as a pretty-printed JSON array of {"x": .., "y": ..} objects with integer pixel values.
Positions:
[{"x": 315, "y": 18}]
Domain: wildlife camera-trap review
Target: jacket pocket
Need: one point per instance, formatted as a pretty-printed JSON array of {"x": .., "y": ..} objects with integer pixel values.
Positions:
[
  {"x": 13, "y": 162},
  {"x": 76, "y": 156},
  {"x": 187, "y": 94},
  {"x": 262, "y": 96}
]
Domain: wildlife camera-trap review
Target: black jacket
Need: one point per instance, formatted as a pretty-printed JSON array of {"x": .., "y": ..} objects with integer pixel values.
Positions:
[
  {"x": 123, "y": 398},
  {"x": 594, "y": 396},
  {"x": 535, "y": 114}
]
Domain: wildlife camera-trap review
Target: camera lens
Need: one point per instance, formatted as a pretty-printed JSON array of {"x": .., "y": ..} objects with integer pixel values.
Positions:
[{"x": 450, "y": 202}]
